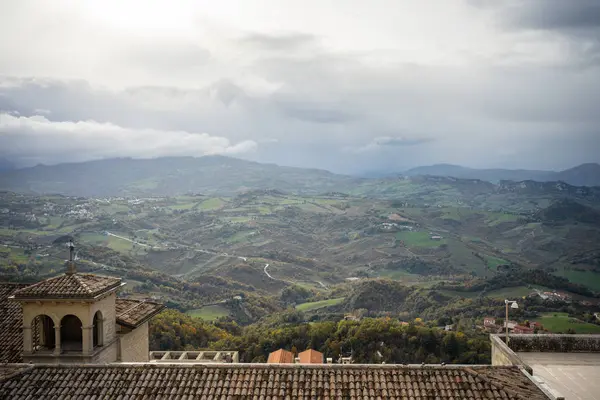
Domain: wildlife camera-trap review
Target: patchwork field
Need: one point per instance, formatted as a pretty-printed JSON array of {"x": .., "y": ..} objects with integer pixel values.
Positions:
[
  {"x": 209, "y": 313},
  {"x": 418, "y": 239},
  {"x": 319, "y": 304},
  {"x": 589, "y": 279},
  {"x": 561, "y": 323}
]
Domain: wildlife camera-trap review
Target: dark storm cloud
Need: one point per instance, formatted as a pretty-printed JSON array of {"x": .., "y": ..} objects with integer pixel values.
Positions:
[
  {"x": 575, "y": 15},
  {"x": 573, "y": 25}
]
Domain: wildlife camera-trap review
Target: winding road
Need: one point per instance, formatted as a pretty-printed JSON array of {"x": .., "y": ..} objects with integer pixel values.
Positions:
[
  {"x": 267, "y": 272},
  {"x": 179, "y": 244}
]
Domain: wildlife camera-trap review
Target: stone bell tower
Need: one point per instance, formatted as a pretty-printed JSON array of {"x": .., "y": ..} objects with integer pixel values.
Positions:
[{"x": 70, "y": 318}]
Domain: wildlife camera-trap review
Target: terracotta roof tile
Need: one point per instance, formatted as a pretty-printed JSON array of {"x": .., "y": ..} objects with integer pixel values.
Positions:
[
  {"x": 11, "y": 321},
  {"x": 311, "y": 356},
  {"x": 281, "y": 356},
  {"x": 265, "y": 381},
  {"x": 133, "y": 313},
  {"x": 76, "y": 286}
]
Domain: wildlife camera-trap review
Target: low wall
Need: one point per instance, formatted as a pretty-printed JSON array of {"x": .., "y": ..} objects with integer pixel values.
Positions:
[
  {"x": 554, "y": 343},
  {"x": 503, "y": 355}
]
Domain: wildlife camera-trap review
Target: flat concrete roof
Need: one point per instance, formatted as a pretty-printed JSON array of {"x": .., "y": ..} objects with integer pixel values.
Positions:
[{"x": 576, "y": 376}]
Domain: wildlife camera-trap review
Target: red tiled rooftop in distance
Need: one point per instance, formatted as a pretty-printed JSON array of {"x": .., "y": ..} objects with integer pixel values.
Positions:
[
  {"x": 281, "y": 356},
  {"x": 311, "y": 357}
]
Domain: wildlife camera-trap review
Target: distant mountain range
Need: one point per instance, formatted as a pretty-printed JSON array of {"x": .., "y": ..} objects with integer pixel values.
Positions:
[
  {"x": 582, "y": 175},
  {"x": 170, "y": 176},
  {"x": 6, "y": 165}
]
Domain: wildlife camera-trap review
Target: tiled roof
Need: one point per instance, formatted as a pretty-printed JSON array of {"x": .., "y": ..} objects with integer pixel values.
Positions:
[
  {"x": 76, "y": 286},
  {"x": 311, "y": 357},
  {"x": 11, "y": 321},
  {"x": 281, "y": 356},
  {"x": 268, "y": 381},
  {"x": 133, "y": 313}
]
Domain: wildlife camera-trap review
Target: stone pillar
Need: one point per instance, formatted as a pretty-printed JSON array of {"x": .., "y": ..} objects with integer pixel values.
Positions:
[
  {"x": 57, "y": 349},
  {"x": 88, "y": 339},
  {"x": 27, "y": 341}
]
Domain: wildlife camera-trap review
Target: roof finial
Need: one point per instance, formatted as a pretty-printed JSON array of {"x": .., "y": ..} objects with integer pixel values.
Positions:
[{"x": 71, "y": 263}]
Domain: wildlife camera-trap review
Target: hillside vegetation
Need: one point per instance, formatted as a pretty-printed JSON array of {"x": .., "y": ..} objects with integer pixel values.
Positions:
[{"x": 312, "y": 247}]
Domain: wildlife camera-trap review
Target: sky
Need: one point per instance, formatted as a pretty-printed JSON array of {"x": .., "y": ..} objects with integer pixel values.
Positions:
[{"x": 345, "y": 85}]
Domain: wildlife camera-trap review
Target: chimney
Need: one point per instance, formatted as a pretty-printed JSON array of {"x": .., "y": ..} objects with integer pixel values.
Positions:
[{"x": 71, "y": 263}]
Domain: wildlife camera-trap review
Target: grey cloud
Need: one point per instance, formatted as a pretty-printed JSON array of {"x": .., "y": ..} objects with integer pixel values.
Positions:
[
  {"x": 573, "y": 26},
  {"x": 382, "y": 142},
  {"x": 400, "y": 141},
  {"x": 39, "y": 139},
  {"x": 167, "y": 56},
  {"x": 278, "y": 42},
  {"x": 554, "y": 14},
  {"x": 318, "y": 113}
]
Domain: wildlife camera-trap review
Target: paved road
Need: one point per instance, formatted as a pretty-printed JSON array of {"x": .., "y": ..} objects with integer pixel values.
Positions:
[
  {"x": 179, "y": 244},
  {"x": 267, "y": 272}
]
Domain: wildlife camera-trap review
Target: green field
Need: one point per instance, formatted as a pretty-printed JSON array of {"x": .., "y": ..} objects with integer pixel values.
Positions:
[
  {"x": 209, "y": 313},
  {"x": 418, "y": 239},
  {"x": 211, "y": 204},
  {"x": 498, "y": 218},
  {"x": 456, "y": 293},
  {"x": 561, "y": 322},
  {"x": 589, "y": 279},
  {"x": 399, "y": 275},
  {"x": 494, "y": 262},
  {"x": 510, "y": 292},
  {"x": 315, "y": 305},
  {"x": 112, "y": 242}
]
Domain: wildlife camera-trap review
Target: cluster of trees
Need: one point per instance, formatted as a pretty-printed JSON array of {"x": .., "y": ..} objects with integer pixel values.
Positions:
[
  {"x": 371, "y": 340},
  {"x": 173, "y": 330},
  {"x": 520, "y": 278}
]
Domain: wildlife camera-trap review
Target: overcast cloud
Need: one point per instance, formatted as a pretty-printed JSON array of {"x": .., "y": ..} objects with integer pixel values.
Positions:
[{"x": 348, "y": 85}]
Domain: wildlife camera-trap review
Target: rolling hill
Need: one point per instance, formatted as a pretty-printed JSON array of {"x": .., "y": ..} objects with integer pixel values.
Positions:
[
  {"x": 582, "y": 175},
  {"x": 167, "y": 176}
]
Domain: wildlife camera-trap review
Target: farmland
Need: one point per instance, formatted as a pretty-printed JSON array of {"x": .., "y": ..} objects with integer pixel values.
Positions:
[
  {"x": 561, "y": 323},
  {"x": 312, "y": 306},
  {"x": 209, "y": 313}
]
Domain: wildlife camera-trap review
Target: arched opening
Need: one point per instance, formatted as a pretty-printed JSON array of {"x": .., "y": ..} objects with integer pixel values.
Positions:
[
  {"x": 71, "y": 337},
  {"x": 42, "y": 334},
  {"x": 98, "y": 329}
]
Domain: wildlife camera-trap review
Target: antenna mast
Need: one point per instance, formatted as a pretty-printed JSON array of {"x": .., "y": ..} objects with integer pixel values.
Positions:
[{"x": 71, "y": 263}]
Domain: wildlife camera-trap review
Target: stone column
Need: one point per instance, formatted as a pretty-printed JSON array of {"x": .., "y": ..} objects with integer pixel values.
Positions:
[
  {"x": 57, "y": 349},
  {"x": 27, "y": 342},
  {"x": 88, "y": 339}
]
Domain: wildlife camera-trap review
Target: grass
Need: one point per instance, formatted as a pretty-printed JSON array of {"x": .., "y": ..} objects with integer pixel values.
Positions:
[
  {"x": 315, "y": 305},
  {"x": 209, "y": 313},
  {"x": 455, "y": 293},
  {"x": 589, "y": 279},
  {"x": 494, "y": 262},
  {"x": 561, "y": 322},
  {"x": 241, "y": 236},
  {"x": 183, "y": 206},
  {"x": 211, "y": 204},
  {"x": 111, "y": 242},
  {"x": 510, "y": 292},
  {"x": 498, "y": 218},
  {"x": 418, "y": 239},
  {"x": 399, "y": 275}
]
